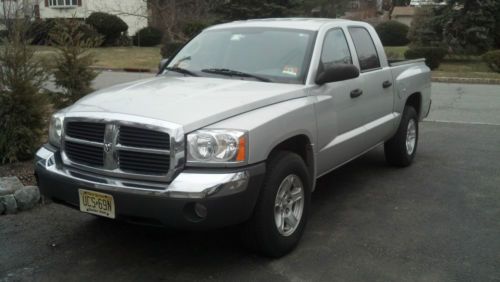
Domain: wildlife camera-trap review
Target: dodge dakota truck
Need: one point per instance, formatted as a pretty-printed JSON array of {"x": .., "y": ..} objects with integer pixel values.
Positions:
[{"x": 236, "y": 128}]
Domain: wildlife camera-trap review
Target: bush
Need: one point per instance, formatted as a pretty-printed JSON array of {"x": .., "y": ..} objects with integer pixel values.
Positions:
[
  {"x": 393, "y": 33},
  {"x": 23, "y": 107},
  {"x": 148, "y": 36},
  {"x": 193, "y": 28},
  {"x": 72, "y": 70},
  {"x": 492, "y": 59},
  {"x": 110, "y": 26},
  {"x": 433, "y": 55},
  {"x": 170, "y": 48}
]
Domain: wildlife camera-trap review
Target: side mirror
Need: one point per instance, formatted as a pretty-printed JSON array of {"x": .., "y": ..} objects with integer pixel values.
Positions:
[
  {"x": 337, "y": 72},
  {"x": 162, "y": 64}
]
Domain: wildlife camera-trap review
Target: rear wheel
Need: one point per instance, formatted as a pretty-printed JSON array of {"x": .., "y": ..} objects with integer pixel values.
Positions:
[
  {"x": 400, "y": 150},
  {"x": 281, "y": 212}
]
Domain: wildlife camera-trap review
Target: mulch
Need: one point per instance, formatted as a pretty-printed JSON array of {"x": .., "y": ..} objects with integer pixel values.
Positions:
[{"x": 23, "y": 170}]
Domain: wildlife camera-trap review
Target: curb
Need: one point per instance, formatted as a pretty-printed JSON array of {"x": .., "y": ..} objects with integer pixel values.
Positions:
[
  {"x": 136, "y": 70},
  {"x": 466, "y": 80}
]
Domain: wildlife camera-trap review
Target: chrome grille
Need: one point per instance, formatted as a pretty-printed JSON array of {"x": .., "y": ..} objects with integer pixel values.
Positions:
[
  {"x": 86, "y": 131},
  {"x": 143, "y": 138},
  {"x": 85, "y": 154},
  {"x": 123, "y": 148},
  {"x": 143, "y": 162}
]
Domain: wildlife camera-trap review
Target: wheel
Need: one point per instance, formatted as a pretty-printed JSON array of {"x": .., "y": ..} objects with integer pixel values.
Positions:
[
  {"x": 400, "y": 150},
  {"x": 281, "y": 212}
]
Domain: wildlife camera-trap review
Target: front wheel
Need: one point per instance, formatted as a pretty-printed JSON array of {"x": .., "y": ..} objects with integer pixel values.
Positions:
[
  {"x": 400, "y": 150},
  {"x": 281, "y": 212}
]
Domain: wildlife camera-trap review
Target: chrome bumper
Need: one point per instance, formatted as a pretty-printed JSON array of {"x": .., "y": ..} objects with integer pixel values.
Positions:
[{"x": 187, "y": 185}]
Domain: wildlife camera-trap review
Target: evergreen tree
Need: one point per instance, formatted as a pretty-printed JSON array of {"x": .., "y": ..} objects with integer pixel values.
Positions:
[{"x": 252, "y": 9}]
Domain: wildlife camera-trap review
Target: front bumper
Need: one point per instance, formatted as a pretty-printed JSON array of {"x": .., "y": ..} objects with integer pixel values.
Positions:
[{"x": 229, "y": 196}]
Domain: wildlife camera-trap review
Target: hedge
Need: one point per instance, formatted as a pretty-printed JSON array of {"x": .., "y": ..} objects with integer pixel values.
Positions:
[
  {"x": 433, "y": 55},
  {"x": 148, "y": 36},
  {"x": 393, "y": 33}
]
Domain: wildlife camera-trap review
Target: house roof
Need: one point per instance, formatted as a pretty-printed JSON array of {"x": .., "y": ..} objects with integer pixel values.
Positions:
[{"x": 403, "y": 11}]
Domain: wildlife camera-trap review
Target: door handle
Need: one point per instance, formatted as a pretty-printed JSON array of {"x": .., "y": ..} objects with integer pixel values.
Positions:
[
  {"x": 356, "y": 93},
  {"x": 387, "y": 84}
]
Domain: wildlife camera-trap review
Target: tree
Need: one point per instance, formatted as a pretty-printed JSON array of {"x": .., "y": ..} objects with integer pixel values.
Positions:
[
  {"x": 427, "y": 28},
  {"x": 72, "y": 70},
  {"x": 251, "y": 9},
  {"x": 472, "y": 25},
  {"x": 23, "y": 107}
]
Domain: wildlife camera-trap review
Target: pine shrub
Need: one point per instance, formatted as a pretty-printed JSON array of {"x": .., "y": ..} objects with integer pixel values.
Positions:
[
  {"x": 73, "y": 60},
  {"x": 23, "y": 107}
]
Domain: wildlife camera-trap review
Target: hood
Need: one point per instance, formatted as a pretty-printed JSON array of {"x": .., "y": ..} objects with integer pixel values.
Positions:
[{"x": 192, "y": 102}]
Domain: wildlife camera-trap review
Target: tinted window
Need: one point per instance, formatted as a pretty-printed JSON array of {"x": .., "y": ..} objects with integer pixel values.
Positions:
[
  {"x": 335, "y": 49},
  {"x": 367, "y": 54}
]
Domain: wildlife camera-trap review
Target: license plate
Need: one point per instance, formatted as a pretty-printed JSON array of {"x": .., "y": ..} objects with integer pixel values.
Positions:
[{"x": 97, "y": 203}]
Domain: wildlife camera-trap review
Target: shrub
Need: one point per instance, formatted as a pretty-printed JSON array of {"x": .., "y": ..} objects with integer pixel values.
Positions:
[
  {"x": 433, "y": 55},
  {"x": 393, "y": 33},
  {"x": 110, "y": 26},
  {"x": 148, "y": 36},
  {"x": 170, "y": 48},
  {"x": 23, "y": 107},
  {"x": 72, "y": 70},
  {"x": 492, "y": 59},
  {"x": 193, "y": 28}
]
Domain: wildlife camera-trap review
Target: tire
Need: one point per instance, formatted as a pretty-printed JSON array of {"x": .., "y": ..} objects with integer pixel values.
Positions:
[
  {"x": 397, "y": 151},
  {"x": 261, "y": 233}
]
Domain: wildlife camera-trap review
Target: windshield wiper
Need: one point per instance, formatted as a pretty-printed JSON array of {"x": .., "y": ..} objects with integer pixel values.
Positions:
[
  {"x": 181, "y": 70},
  {"x": 229, "y": 72}
]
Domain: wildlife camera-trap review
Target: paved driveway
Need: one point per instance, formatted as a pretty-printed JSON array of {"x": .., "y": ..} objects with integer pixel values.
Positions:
[{"x": 435, "y": 221}]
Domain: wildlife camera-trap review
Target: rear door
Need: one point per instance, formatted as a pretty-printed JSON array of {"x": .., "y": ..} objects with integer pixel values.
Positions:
[{"x": 377, "y": 88}]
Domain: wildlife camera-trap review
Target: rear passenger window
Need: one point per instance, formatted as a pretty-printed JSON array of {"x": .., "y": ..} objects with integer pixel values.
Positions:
[
  {"x": 335, "y": 49},
  {"x": 367, "y": 54}
]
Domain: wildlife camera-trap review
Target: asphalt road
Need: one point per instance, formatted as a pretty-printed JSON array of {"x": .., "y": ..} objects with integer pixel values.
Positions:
[{"x": 437, "y": 220}]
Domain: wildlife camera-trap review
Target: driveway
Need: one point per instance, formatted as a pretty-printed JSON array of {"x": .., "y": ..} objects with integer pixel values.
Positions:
[{"x": 437, "y": 220}]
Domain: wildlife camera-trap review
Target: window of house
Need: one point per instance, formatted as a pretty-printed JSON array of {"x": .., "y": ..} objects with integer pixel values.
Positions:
[
  {"x": 62, "y": 3},
  {"x": 335, "y": 49},
  {"x": 367, "y": 54}
]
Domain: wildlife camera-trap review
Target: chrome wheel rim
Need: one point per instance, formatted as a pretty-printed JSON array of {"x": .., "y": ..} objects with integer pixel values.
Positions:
[
  {"x": 411, "y": 136},
  {"x": 289, "y": 205}
]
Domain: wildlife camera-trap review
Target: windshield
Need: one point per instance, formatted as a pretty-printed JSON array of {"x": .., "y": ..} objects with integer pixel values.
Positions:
[{"x": 278, "y": 55}]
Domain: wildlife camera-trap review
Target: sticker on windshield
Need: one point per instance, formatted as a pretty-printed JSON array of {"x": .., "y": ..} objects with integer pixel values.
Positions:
[{"x": 290, "y": 70}]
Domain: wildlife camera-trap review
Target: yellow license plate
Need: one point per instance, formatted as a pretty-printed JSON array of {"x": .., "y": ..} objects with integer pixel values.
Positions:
[{"x": 97, "y": 203}]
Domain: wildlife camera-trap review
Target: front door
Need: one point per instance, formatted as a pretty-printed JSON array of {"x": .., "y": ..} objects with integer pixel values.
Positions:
[{"x": 340, "y": 114}]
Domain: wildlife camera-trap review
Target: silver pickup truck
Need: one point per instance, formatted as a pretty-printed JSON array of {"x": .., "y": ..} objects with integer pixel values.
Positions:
[{"x": 236, "y": 128}]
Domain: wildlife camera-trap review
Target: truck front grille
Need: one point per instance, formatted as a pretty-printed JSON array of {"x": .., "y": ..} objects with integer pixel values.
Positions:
[
  {"x": 120, "y": 149},
  {"x": 143, "y": 138},
  {"x": 143, "y": 162},
  {"x": 85, "y": 154},
  {"x": 90, "y": 131}
]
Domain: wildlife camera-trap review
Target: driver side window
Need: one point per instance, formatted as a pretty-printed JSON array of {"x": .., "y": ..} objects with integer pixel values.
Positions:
[{"x": 335, "y": 49}]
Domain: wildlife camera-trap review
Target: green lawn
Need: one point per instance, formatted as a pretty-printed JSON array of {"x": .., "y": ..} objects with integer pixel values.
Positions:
[
  {"x": 149, "y": 57},
  {"x": 117, "y": 57},
  {"x": 470, "y": 67}
]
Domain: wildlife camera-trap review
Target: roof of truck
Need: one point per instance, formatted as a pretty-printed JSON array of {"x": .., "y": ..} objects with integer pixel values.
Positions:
[{"x": 296, "y": 23}]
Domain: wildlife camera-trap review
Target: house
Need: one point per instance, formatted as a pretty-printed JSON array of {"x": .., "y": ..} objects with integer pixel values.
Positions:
[
  {"x": 133, "y": 12},
  {"x": 403, "y": 15}
]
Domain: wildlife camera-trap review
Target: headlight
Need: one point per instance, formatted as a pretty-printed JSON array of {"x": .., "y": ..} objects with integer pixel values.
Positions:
[
  {"x": 55, "y": 129},
  {"x": 217, "y": 146}
]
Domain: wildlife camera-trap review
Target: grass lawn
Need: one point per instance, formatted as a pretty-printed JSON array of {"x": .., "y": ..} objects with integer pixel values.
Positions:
[
  {"x": 149, "y": 57},
  {"x": 117, "y": 57},
  {"x": 471, "y": 67}
]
